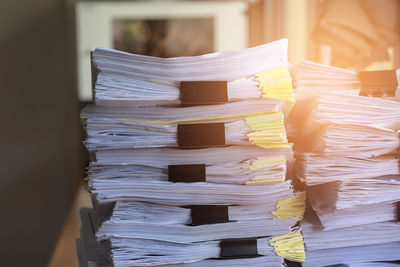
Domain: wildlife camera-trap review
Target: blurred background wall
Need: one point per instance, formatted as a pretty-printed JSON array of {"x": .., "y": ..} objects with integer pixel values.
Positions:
[
  {"x": 40, "y": 136},
  {"x": 45, "y": 80}
]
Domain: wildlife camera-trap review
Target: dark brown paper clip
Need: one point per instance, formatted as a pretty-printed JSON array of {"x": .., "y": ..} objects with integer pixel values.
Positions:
[
  {"x": 238, "y": 248},
  {"x": 378, "y": 83},
  {"x": 189, "y": 173},
  {"x": 289, "y": 263},
  {"x": 201, "y": 135},
  {"x": 209, "y": 214},
  {"x": 198, "y": 93}
]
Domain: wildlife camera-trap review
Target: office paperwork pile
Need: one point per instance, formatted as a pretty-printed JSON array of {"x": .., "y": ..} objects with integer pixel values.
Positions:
[
  {"x": 314, "y": 78},
  {"x": 346, "y": 150},
  {"x": 189, "y": 161},
  {"x": 136, "y": 80}
]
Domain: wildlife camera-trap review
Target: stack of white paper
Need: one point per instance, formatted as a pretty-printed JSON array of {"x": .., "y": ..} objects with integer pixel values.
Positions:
[
  {"x": 336, "y": 139},
  {"x": 374, "y": 233},
  {"x": 312, "y": 168},
  {"x": 346, "y": 149},
  {"x": 313, "y": 78},
  {"x": 261, "y": 261},
  {"x": 356, "y": 254},
  {"x": 353, "y": 194},
  {"x": 140, "y": 252},
  {"x": 364, "y": 241},
  {"x": 136, "y": 80},
  {"x": 233, "y": 164},
  {"x": 309, "y": 114},
  {"x": 245, "y": 123},
  {"x": 134, "y": 132}
]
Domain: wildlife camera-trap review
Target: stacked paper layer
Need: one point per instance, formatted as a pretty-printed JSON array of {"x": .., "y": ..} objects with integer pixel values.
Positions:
[
  {"x": 346, "y": 151},
  {"x": 371, "y": 242},
  {"x": 245, "y": 123},
  {"x": 313, "y": 78},
  {"x": 243, "y": 205},
  {"x": 136, "y": 80},
  {"x": 232, "y": 164}
]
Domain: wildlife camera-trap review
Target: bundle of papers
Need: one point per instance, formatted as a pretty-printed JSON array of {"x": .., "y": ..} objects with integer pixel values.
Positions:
[
  {"x": 351, "y": 244},
  {"x": 374, "y": 264},
  {"x": 158, "y": 127},
  {"x": 260, "y": 261},
  {"x": 187, "y": 193},
  {"x": 140, "y": 252},
  {"x": 144, "y": 212},
  {"x": 350, "y": 255},
  {"x": 182, "y": 114},
  {"x": 369, "y": 234},
  {"x": 137, "y": 234},
  {"x": 312, "y": 168},
  {"x": 312, "y": 78},
  {"x": 338, "y": 139},
  {"x": 359, "y": 216},
  {"x": 346, "y": 158},
  {"x": 174, "y": 185},
  {"x": 189, "y": 234},
  {"x": 136, "y": 80},
  {"x": 309, "y": 114},
  {"x": 149, "y": 234},
  {"x": 354, "y": 194},
  {"x": 232, "y": 164}
]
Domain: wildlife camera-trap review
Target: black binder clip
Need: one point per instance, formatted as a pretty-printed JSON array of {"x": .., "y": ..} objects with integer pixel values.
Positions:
[
  {"x": 378, "y": 83},
  {"x": 201, "y": 135},
  {"x": 189, "y": 173},
  {"x": 197, "y": 93},
  {"x": 238, "y": 248},
  {"x": 209, "y": 214},
  {"x": 289, "y": 263}
]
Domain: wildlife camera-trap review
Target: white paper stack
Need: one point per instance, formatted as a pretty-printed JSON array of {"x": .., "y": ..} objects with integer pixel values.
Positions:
[
  {"x": 147, "y": 154},
  {"x": 232, "y": 164},
  {"x": 137, "y": 80},
  {"x": 358, "y": 244},
  {"x": 346, "y": 151},
  {"x": 313, "y": 78},
  {"x": 245, "y": 123},
  {"x": 308, "y": 114}
]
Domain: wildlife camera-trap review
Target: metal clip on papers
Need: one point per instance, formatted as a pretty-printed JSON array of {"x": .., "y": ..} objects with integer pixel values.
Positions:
[
  {"x": 188, "y": 173},
  {"x": 198, "y": 93},
  {"x": 238, "y": 248},
  {"x": 209, "y": 214},
  {"x": 201, "y": 135},
  {"x": 378, "y": 83}
]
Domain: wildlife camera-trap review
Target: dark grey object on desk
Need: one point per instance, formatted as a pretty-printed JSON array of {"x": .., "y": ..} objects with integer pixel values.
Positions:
[{"x": 40, "y": 138}]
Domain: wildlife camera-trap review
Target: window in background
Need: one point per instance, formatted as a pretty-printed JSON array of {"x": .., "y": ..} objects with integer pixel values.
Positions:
[{"x": 164, "y": 37}]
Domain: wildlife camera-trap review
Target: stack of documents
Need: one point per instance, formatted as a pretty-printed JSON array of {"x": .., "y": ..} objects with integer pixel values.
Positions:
[
  {"x": 371, "y": 242},
  {"x": 308, "y": 114},
  {"x": 346, "y": 151},
  {"x": 137, "y": 80},
  {"x": 243, "y": 123},
  {"x": 191, "y": 184},
  {"x": 227, "y": 165},
  {"x": 136, "y": 232},
  {"x": 313, "y": 78}
]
